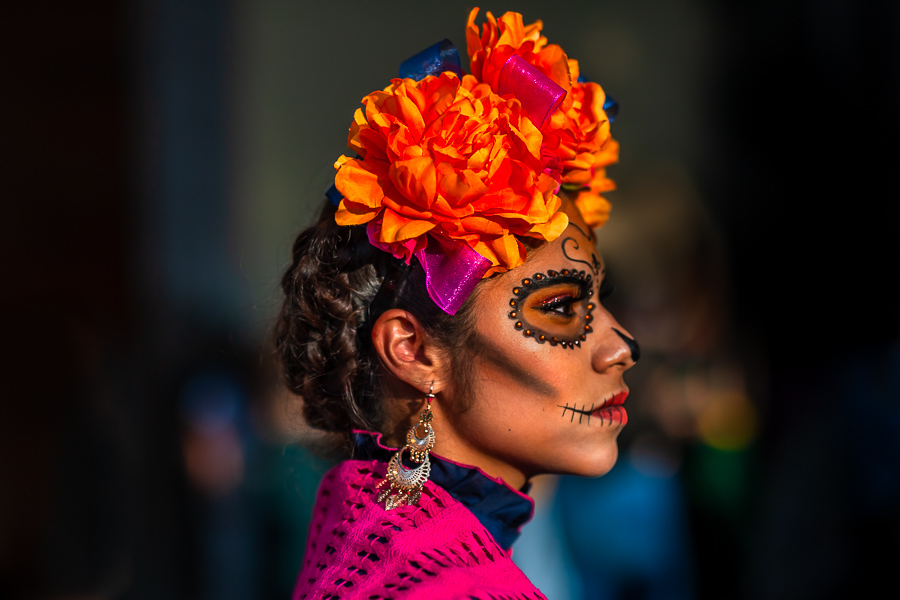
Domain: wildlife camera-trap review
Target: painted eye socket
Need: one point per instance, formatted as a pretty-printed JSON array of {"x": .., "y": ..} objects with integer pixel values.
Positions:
[{"x": 554, "y": 307}]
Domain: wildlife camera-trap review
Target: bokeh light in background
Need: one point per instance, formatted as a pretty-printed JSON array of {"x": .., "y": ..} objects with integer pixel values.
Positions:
[{"x": 159, "y": 157}]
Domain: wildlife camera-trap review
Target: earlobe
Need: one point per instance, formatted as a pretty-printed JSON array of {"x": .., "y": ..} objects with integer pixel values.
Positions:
[{"x": 404, "y": 348}]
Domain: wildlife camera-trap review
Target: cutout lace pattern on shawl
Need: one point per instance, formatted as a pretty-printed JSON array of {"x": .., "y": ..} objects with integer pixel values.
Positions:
[{"x": 437, "y": 549}]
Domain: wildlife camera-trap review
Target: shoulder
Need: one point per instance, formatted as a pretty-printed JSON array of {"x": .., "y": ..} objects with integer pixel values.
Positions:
[{"x": 357, "y": 549}]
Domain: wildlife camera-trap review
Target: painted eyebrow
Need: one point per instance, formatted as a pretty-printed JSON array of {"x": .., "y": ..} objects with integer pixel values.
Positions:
[{"x": 535, "y": 285}]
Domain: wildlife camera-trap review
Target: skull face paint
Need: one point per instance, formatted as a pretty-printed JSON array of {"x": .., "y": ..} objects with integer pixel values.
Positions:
[
  {"x": 610, "y": 411},
  {"x": 536, "y": 407},
  {"x": 554, "y": 307},
  {"x": 571, "y": 245},
  {"x": 631, "y": 343}
]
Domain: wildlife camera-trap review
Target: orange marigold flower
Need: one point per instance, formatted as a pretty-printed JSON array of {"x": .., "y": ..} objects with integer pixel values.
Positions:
[
  {"x": 585, "y": 147},
  {"x": 594, "y": 207},
  {"x": 449, "y": 158}
]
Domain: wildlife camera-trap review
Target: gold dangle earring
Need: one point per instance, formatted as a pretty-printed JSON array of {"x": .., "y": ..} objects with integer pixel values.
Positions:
[{"x": 406, "y": 484}]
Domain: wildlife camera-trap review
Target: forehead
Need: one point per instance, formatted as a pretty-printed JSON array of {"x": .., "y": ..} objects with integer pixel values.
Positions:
[
  {"x": 576, "y": 243},
  {"x": 571, "y": 250},
  {"x": 575, "y": 247}
]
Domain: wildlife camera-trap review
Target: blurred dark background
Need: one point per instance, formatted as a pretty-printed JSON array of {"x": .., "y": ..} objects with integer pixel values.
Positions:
[{"x": 159, "y": 156}]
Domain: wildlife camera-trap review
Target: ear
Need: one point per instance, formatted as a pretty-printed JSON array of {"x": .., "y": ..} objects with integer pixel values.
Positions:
[{"x": 406, "y": 351}]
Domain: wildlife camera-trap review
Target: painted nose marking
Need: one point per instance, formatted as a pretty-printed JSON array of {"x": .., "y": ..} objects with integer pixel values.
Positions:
[{"x": 631, "y": 343}]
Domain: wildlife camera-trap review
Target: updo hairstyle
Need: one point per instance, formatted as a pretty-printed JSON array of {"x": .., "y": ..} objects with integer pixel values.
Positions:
[{"x": 323, "y": 337}]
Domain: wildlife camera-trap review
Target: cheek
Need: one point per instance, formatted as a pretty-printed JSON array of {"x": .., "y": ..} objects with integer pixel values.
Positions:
[{"x": 510, "y": 365}]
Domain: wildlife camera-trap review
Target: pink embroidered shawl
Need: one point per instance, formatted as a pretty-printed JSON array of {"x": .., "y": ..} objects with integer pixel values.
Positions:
[{"x": 435, "y": 550}]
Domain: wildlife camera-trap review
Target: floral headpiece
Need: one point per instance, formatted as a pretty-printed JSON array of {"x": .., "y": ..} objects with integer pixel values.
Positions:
[{"x": 455, "y": 168}]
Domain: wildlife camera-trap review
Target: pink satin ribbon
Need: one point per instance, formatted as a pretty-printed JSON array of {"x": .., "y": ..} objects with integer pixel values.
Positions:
[
  {"x": 540, "y": 96},
  {"x": 452, "y": 270}
]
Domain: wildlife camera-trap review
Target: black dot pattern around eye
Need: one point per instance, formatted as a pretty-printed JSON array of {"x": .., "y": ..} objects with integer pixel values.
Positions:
[{"x": 529, "y": 285}]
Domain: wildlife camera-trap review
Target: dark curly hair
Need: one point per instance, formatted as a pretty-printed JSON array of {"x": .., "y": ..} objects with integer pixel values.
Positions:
[{"x": 323, "y": 336}]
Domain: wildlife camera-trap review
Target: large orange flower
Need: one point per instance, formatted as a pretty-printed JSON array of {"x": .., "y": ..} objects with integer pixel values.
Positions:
[
  {"x": 581, "y": 125},
  {"x": 449, "y": 158}
]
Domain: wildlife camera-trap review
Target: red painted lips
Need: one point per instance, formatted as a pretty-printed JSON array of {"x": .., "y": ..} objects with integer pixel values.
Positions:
[{"x": 612, "y": 410}]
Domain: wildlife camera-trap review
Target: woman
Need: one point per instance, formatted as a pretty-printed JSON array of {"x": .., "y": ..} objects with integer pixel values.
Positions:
[{"x": 448, "y": 300}]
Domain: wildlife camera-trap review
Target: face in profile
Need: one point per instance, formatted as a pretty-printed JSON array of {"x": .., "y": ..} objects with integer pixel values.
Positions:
[{"x": 547, "y": 368}]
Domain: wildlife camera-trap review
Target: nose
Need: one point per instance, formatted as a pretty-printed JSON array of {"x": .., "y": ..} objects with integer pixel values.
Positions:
[
  {"x": 631, "y": 343},
  {"x": 616, "y": 348}
]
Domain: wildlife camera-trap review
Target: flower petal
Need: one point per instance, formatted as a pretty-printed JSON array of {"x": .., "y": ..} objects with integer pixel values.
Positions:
[{"x": 398, "y": 228}]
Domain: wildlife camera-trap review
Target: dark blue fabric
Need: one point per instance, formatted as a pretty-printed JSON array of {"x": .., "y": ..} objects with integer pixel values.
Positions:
[
  {"x": 441, "y": 57},
  {"x": 611, "y": 108},
  {"x": 500, "y": 509},
  {"x": 333, "y": 195}
]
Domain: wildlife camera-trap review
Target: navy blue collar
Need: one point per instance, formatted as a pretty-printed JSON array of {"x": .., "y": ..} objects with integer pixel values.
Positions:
[{"x": 501, "y": 509}]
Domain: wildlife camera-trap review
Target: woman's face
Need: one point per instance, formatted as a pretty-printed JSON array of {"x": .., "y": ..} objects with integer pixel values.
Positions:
[{"x": 547, "y": 363}]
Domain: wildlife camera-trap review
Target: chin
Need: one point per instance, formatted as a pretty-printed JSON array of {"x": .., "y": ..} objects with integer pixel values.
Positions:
[{"x": 595, "y": 464}]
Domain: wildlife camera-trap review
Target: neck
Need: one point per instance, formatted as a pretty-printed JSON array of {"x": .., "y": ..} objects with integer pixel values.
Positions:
[{"x": 454, "y": 449}]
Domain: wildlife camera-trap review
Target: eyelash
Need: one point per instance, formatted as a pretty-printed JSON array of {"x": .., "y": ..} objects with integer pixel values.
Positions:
[
  {"x": 606, "y": 290},
  {"x": 559, "y": 302}
]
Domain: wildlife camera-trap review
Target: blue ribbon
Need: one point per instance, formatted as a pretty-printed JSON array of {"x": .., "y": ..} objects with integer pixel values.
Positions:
[
  {"x": 334, "y": 195},
  {"x": 611, "y": 108},
  {"x": 441, "y": 57}
]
